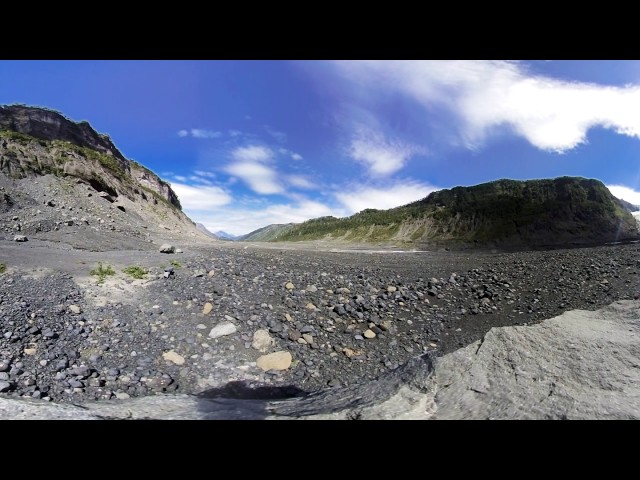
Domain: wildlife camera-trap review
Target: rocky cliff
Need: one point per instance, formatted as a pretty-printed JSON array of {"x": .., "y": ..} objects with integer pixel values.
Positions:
[{"x": 47, "y": 159}]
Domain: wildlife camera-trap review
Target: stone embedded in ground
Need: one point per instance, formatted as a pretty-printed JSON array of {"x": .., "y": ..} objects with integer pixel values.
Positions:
[
  {"x": 369, "y": 334},
  {"x": 391, "y": 289},
  {"x": 311, "y": 288},
  {"x": 310, "y": 306},
  {"x": 207, "y": 308},
  {"x": 20, "y": 238},
  {"x": 308, "y": 338},
  {"x": 167, "y": 248},
  {"x": 173, "y": 357},
  {"x": 262, "y": 341},
  {"x": 30, "y": 351},
  {"x": 289, "y": 286},
  {"x": 74, "y": 309},
  {"x": 223, "y": 329},
  {"x": 275, "y": 361}
]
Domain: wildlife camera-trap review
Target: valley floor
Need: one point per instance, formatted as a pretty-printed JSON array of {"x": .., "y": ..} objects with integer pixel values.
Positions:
[{"x": 346, "y": 317}]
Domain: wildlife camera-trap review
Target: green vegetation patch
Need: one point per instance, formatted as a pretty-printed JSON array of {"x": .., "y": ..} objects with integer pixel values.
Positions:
[
  {"x": 102, "y": 272},
  {"x": 175, "y": 264},
  {"x": 21, "y": 138},
  {"x": 3, "y": 267},
  {"x": 107, "y": 161},
  {"x": 136, "y": 272}
]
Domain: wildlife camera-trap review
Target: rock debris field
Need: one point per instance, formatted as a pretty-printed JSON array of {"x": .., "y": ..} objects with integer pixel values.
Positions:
[{"x": 295, "y": 319}]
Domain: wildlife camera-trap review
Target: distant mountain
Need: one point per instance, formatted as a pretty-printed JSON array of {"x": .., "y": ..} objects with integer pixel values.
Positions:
[
  {"x": 561, "y": 211},
  {"x": 226, "y": 236},
  {"x": 629, "y": 206},
  {"x": 269, "y": 233},
  {"x": 204, "y": 230}
]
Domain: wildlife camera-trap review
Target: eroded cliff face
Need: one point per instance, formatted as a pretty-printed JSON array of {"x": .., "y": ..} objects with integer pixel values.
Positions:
[
  {"x": 50, "y": 125},
  {"x": 37, "y": 141},
  {"x": 45, "y": 156}
]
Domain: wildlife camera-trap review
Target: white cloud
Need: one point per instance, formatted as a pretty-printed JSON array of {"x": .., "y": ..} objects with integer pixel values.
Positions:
[
  {"x": 381, "y": 198},
  {"x": 296, "y": 156},
  {"x": 625, "y": 193},
  {"x": 383, "y": 157},
  {"x": 200, "y": 180},
  {"x": 552, "y": 114},
  {"x": 202, "y": 173},
  {"x": 202, "y": 133},
  {"x": 252, "y": 153},
  {"x": 261, "y": 179},
  {"x": 180, "y": 178},
  {"x": 200, "y": 197},
  {"x": 299, "y": 181},
  {"x": 235, "y": 133},
  {"x": 199, "y": 133}
]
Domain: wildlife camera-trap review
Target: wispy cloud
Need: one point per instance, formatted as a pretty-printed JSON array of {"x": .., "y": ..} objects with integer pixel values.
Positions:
[
  {"x": 260, "y": 178},
  {"x": 625, "y": 193},
  {"x": 278, "y": 136},
  {"x": 293, "y": 155},
  {"x": 202, "y": 173},
  {"x": 202, "y": 197},
  {"x": 382, "y": 197},
  {"x": 552, "y": 114},
  {"x": 299, "y": 181},
  {"x": 252, "y": 153},
  {"x": 381, "y": 156},
  {"x": 199, "y": 133}
]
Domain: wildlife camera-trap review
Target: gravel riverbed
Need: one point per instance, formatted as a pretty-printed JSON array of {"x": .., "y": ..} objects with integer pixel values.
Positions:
[{"x": 234, "y": 318}]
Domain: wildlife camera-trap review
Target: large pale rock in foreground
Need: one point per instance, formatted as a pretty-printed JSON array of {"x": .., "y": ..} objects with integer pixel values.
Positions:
[
  {"x": 580, "y": 365},
  {"x": 274, "y": 361}
]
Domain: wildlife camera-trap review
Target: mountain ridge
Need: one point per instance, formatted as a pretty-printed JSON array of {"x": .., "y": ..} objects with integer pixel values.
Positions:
[{"x": 545, "y": 212}]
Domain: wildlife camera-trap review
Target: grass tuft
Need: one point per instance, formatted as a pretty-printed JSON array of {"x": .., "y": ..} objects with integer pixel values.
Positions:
[
  {"x": 136, "y": 272},
  {"x": 102, "y": 272}
]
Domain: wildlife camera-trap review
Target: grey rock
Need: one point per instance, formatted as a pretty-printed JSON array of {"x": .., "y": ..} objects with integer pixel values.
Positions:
[
  {"x": 223, "y": 329},
  {"x": 20, "y": 238},
  {"x": 262, "y": 341},
  {"x": 4, "y": 386},
  {"x": 167, "y": 248}
]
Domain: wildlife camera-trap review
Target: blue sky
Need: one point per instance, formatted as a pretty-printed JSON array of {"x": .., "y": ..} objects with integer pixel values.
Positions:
[{"x": 250, "y": 143}]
